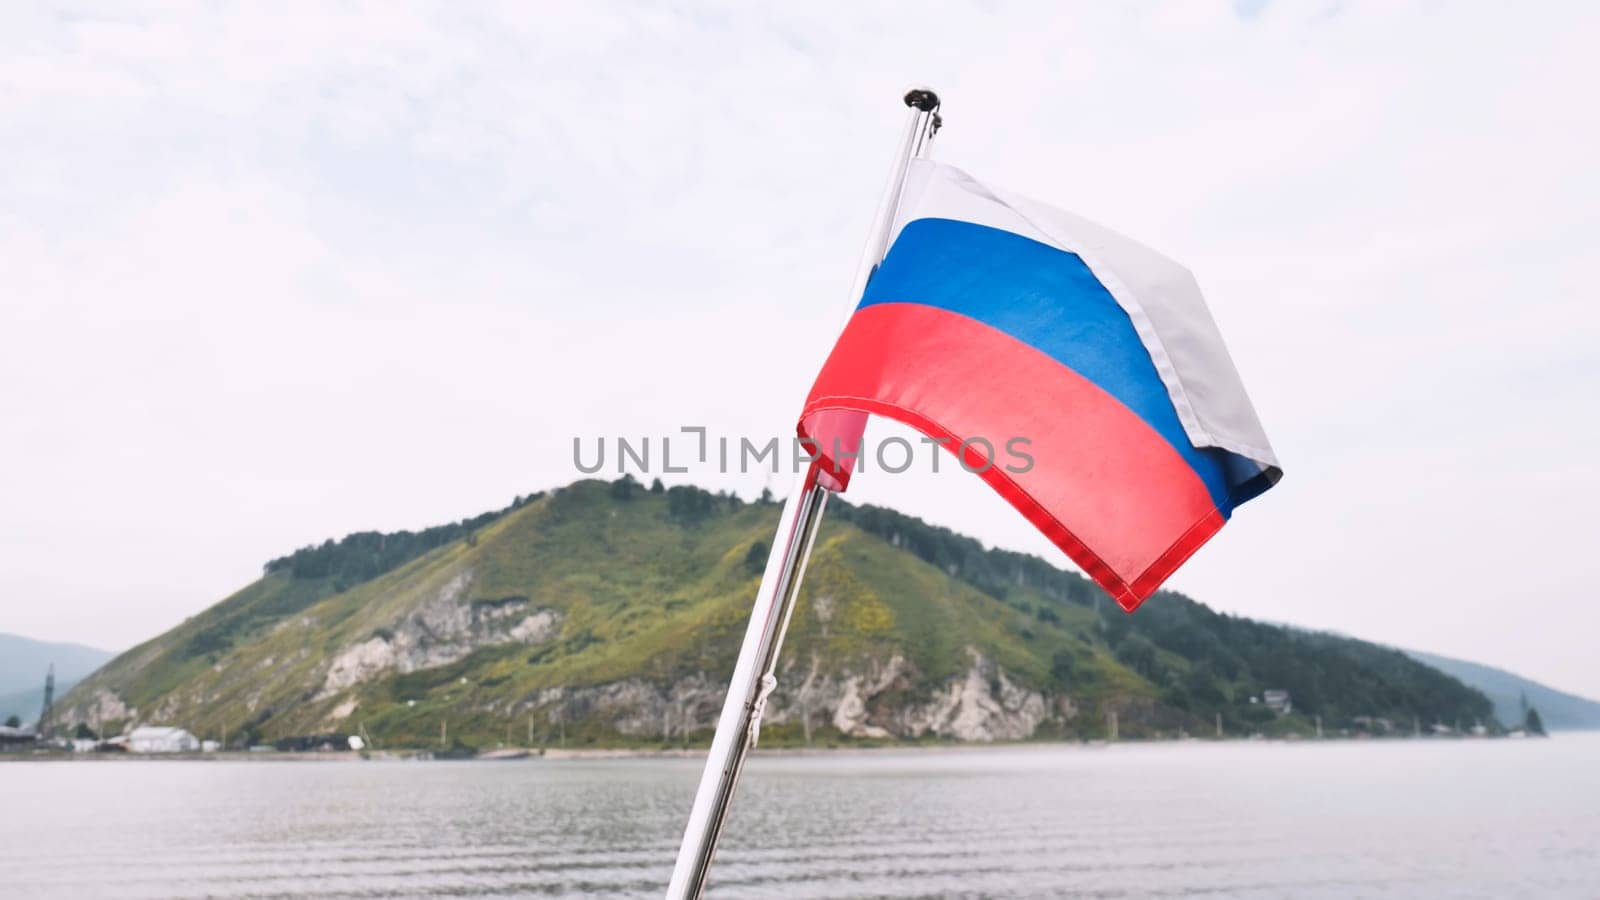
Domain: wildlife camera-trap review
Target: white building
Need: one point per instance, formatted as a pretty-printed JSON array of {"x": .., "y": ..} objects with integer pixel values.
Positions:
[
  {"x": 1277, "y": 701},
  {"x": 161, "y": 739},
  {"x": 22, "y": 735}
]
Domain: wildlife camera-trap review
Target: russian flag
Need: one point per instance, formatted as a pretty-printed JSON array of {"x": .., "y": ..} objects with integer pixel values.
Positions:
[{"x": 994, "y": 318}]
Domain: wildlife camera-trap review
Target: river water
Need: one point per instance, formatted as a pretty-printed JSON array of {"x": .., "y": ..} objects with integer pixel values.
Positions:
[{"x": 1399, "y": 819}]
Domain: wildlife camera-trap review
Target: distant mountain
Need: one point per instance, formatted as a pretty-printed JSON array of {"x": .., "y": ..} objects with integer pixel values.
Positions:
[
  {"x": 607, "y": 613},
  {"x": 1559, "y": 710},
  {"x": 23, "y": 664}
]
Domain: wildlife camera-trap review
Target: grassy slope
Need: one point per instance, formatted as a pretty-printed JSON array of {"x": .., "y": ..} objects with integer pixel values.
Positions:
[{"x": 656, "y": 590}]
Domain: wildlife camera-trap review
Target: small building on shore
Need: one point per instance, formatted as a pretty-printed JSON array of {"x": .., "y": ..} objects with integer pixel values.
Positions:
[
  {"x": 18, "y": 736},
  {"x": 1277, "y": 701},
  {"x": 162, "y": 739}
]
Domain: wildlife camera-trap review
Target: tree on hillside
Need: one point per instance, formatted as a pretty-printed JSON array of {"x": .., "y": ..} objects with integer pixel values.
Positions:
[
  {"x": 1533, "y": 723},
  {"x": 367, "y": 554},
  {"x": 624, "y": 488},
  {"x": 755, "y": 560},
  {"x": 1062, "y": 668},
  {"x": 689, "y": 504},
  {"x": 1139, "y": 654},
  {"x": 13, "y": 722}
]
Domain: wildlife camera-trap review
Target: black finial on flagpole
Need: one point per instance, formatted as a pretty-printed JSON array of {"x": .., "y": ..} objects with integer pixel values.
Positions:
[{"x": 923, "y": 99}]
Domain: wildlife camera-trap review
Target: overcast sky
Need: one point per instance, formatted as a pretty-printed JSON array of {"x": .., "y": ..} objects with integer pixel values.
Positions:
[{"x": 267, "y": 279}]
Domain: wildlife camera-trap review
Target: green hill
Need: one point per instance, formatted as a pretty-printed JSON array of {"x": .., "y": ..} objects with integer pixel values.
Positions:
[{"x": 609, "y": 614}]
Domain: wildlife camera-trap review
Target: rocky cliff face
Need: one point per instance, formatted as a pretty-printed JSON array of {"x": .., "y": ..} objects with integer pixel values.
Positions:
[
  {"x": 446, "y": 628},
  {"x": 981, "y": 705}
]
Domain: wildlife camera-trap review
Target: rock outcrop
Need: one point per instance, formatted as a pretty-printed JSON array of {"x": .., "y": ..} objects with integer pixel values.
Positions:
[
  {"x": 445, "y": 629},
  {"x": 983, "y": 704}
]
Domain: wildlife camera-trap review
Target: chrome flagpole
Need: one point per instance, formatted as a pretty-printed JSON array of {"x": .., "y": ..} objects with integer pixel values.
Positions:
[{"x": 755, "y": 674}]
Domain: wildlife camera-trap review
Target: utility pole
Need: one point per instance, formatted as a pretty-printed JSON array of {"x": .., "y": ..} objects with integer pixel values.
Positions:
[
  {"x": 1319, "y": 726},
  {"x": 1113, "y": 725},
  {"x": 1219, "y": 725},
  {"x": 444, "y": 734}
]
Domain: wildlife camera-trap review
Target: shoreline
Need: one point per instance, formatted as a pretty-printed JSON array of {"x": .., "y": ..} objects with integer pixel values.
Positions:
[{"x": 537, "y": 754}]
